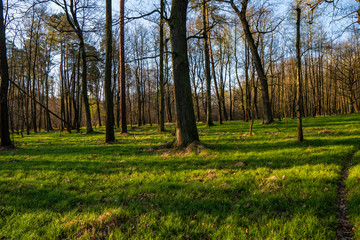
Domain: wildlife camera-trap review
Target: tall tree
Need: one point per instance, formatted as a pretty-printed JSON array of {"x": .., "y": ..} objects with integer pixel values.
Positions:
[
  {"x": 242, "y": 14},
  {"x": 4, "y": 112},
  {"x": 186, "y": 130},
  {"x": 161, "y": 126},
  {"x": 299, "y": 111},
  {"x": 71, "y": 10},
  {"x": 205, "y": 17},
  {"x": 122, "y": 67},
  {"x": 110, "y": 136}
]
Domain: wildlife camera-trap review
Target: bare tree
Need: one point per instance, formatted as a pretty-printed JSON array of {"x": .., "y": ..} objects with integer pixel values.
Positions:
[
  {"x": 242, "y": 14},
  {"x": 71, "y": 9}
]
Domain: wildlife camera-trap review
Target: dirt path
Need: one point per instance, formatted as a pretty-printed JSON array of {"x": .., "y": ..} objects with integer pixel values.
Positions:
[{"x": 344, "y": 230}]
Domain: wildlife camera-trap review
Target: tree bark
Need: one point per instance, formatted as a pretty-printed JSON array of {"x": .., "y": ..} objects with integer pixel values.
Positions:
[
  {"x": 73, "y": 21},
  {"x": 206, "y": 29},
  {"x": 89, "y": 128},
  {"x": 300, "y": 136},
  {"x": 257, "y": 60},
  {"x": 215, "y": 82},
  {"x": 109, "y": 104},
  {"x": 4, "y": 111},
  {"x": 186, "y": 130},
  {"x": 161, "y": 125},
  {"x": 122, "y": 68}
]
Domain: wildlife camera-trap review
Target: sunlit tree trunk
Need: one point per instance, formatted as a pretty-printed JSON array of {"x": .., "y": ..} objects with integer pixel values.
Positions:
[
  {"x": 268, "y": 118},
  {"x": 186, "y": 130},
  {"x": 122, "y": 68},
  {"x": 206, "y": 29},
  {"x": 299, "y": 111},
  {"x": 161, "y": 125}
]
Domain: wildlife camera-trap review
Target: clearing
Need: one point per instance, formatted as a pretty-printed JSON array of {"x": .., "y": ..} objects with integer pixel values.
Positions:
[{"x": 265, "y": 186}]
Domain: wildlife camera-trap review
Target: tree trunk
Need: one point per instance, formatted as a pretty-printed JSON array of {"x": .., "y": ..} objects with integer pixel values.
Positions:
[
  {"x": 215, "y": 82},
  {"x": 257, "y": 60},
  {"x": 4, "y": 112},
  {"x": 122, "y": 68},
  {"x": 62, "y": 89},
  {"x": 109, "y": 101},
  {"x": 161, "y": 125},
  {"x": 186, "y": 130},
  {"x": 73, "y": 21},
  {"x": 34, "y": 80},
  {"x": 89, "y": 128},
  {"x": 138, "y": 96},
  {"x": 300, "y": 136},
  {"x": 206, "y": 34}
]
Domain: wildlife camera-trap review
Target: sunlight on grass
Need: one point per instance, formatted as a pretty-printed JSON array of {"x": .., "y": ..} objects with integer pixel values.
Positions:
[
  {"x": 353, "y": 186},
  {"x": 266, "y": 186}
]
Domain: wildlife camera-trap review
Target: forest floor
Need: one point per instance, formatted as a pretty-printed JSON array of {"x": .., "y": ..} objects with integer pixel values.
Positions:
[{"x": 264, "y": 186}]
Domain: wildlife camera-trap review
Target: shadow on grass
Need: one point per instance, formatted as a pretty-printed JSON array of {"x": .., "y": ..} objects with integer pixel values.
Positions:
[
  {"x": 247, "y": 200},
  {"x": 108, "y": 156},
  {"x": 188, "y": 201}
]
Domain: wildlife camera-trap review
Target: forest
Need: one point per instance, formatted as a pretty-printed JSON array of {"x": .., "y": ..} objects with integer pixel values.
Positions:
[{"x": 180, "y": 119}]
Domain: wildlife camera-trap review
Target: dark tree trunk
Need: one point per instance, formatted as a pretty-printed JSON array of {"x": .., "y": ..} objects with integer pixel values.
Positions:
[
  {"x": 109, "y": 104},
  {"x": 28, "y": 85},
  {"x": 247, "y": 84},
  {"x": 215, "y": 82},
  {"x": 138, "y": 97},
  {"x": 78, "y": 114},
  {"x": 149, "y": 96},
  {"x": 230, "y": 93},
  {"x": 62, "y": 88},
  {"x": 98, "y": 111},
  {"x": 168, "y": 102},
  {"x": 300, "y": 136},
  {"x": 257, "y": 60},
  {"x": 4, "y": 112},
  {"x": 161, "y": 126},
  {"x": 209, "y": 121},
  {"x": 73, "y": 21},
  {"x": 47, "y": 119},
  {"x": 33, "y": 92},
  {"x": 89, "y": 128},
  {"x": 186, "y": 130},
  {"x": 122, "y": 68},
  {"x": 168, "y": 91}
]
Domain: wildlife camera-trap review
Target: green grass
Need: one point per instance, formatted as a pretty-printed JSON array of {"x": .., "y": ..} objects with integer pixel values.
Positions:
[
  {"x": 266, "y": 186},
  {"x": 353, "y": 187}
]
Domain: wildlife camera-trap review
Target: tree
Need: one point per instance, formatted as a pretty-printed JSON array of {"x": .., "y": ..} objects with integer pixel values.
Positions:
[
  {"x": 206, "y": 29},
  {"x": 268, "y": 118},
  {"x": 71, "y": 10},
  {"x": 110, "y": 137},
  {"x": 122, "y": 67},
  {"x": 161, "y": 126},
  {"x": 299, "y": 111},
  {"x": 4, "y": 112},
  {"x": 186, "y": 130}
]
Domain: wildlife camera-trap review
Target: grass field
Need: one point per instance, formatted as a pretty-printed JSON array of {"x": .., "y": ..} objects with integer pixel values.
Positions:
[{"x": 265, "y": 186}]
